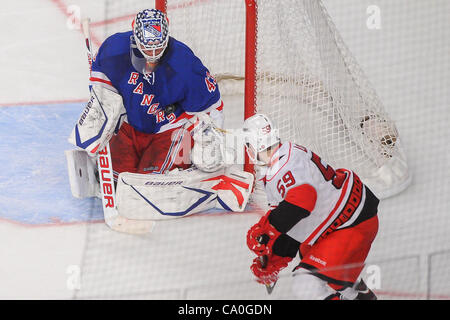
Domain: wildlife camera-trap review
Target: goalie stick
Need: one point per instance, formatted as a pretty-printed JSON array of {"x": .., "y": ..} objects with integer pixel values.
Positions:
[{"x": 111, "y": 215}]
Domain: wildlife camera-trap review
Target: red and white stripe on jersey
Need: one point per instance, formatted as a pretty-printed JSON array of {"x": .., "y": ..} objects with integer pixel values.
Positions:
[
  {"x": 334, "y": 213},
  {"x": 99, "y": 78},
  {"x": 215, "y": 111},
  {"x": 186, "y": 116}
]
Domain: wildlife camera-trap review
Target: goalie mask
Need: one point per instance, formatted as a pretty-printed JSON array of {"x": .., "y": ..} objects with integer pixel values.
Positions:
[
  {"x": 151, "y": 33},
  {"x": 259, "y": 135}
]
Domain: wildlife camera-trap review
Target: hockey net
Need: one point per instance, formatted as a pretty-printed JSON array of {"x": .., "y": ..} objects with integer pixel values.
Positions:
[{"x": 296, "y": 69}]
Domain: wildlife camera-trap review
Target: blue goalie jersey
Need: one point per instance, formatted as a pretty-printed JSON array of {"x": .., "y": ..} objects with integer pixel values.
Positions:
[{"x": 161, "y": 99}]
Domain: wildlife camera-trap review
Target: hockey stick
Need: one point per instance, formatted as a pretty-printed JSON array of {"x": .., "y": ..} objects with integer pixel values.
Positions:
[
  {"x": 269, "y": 287},
  {"x": 263, "y": 260},
  {"x": 111, "y": 215}
]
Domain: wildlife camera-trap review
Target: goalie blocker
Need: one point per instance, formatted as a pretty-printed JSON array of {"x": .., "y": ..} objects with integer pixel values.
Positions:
[{"x": 100, "y": 119}]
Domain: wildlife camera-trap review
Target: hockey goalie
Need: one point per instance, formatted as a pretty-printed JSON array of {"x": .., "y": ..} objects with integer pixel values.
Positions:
[
  {"x": 149, "y": 140},
  {"x": 208, "y": 183}
]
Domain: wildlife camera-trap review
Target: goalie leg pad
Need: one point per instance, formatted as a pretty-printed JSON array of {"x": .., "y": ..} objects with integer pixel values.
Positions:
[
  {"x": 82, "y": 171},
  {"x": 181, "y": 193},
  {"x": 233, "y": 189}
]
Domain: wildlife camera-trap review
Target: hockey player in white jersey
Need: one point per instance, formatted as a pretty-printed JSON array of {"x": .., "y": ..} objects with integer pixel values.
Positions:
[{"x": 327, "y": 216}]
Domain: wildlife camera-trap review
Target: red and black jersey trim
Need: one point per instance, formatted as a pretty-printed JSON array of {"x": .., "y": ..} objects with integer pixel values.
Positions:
[
  {"x": 369, "y": 210},
  {"x": 334, "y": 296},
  {"x": 285, "y": 246},
  {"x": 283, "y": 218},
  {"x": 286, "y": 215}
]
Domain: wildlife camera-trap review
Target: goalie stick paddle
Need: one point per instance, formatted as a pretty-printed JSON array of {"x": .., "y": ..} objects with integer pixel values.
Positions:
[{"x": 111, "y": 215}]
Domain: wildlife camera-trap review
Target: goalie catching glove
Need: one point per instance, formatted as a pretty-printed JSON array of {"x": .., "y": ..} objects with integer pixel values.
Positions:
[
  {"x": 208, "y": 153},
  {"x": 100, "y": 119}
]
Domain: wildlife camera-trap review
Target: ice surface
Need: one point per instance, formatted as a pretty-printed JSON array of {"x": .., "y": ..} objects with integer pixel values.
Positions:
[{"x": 34, "y": 178}]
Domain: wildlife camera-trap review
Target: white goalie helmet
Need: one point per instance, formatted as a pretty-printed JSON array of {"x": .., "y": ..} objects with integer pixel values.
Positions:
[
  {"x": 151, "y": 33},
  {"x": 259, "y": 135}
]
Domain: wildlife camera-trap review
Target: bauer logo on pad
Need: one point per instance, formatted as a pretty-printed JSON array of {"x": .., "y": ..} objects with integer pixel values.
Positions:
[{"x": 151, "y": 30}]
